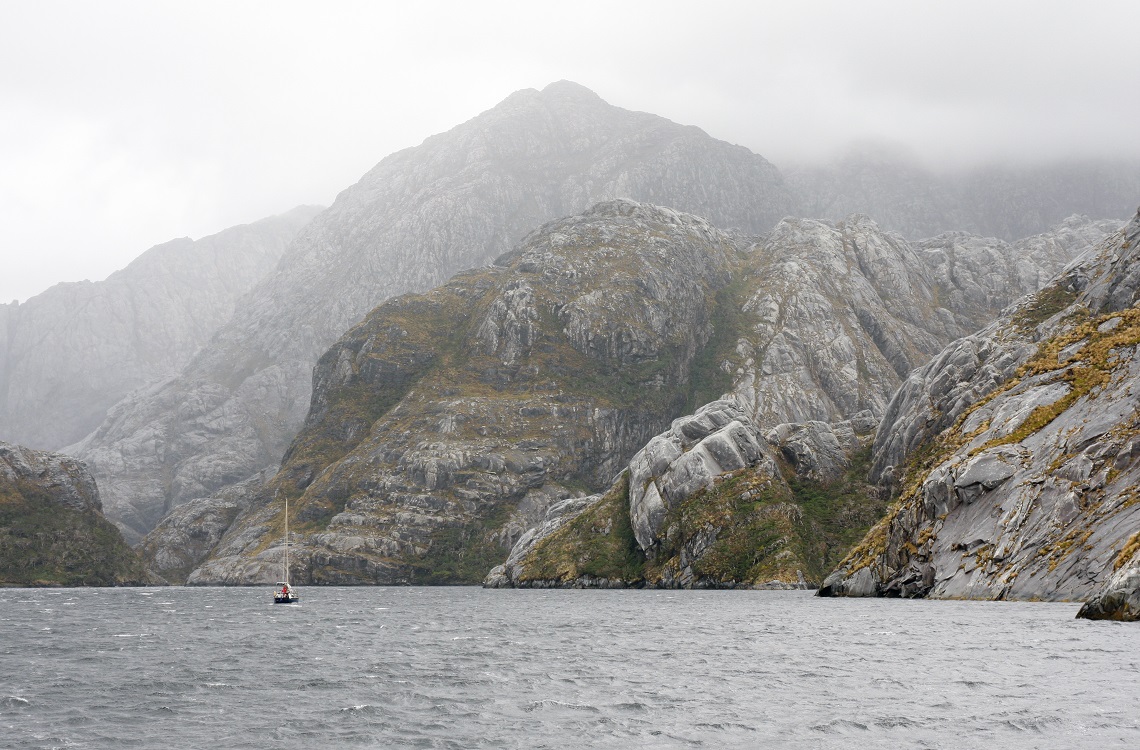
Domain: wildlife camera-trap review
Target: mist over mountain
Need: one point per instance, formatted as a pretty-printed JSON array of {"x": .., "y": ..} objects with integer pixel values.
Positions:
[
  {"x": 1005, "y": 201},
  {"x": 69, "y": 354}
]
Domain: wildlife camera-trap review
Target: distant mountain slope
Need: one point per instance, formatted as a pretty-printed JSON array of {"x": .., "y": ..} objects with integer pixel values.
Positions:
[
  {"x": 1007, "y": 202},
  {"x": 52, "y": 530},
  {"x": 1015, "y": 451},
  {"x": 455, "y": 202},
  {"x": 445, "y": 423},
  {"x": 67, "y": 355}
]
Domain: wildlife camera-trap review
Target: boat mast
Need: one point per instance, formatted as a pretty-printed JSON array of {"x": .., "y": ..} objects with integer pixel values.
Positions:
[{"x": 286, "y": 540}]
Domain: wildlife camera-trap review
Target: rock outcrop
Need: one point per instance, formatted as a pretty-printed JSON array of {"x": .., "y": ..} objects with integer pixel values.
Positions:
[
  {"x": 69, "y": 354},
  {"x": 421, "y": 215},
  {"x": 455, "y": 202},
  {"x": 1119, "y": 598},
  {"x": 52, "y": 530},
  {"x": 1014, "y": 452},
  {"x": 826, "y": 320},
  {"x": 705, "y": 504}
]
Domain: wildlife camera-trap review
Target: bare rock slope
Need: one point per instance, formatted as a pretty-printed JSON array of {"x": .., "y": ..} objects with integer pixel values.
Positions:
[
  {"x": 442, "y": 415},
  {"x": 1015, "y": 451}
]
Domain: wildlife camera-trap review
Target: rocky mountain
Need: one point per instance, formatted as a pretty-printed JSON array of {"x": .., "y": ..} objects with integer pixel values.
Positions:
[
  {"x": 824, "y": 321},
  {"x": 1014, "y": 452},
  {"x": 439, "y": 415},
  {"x": 446, "y": 425},
  {"x": 69, "y": 354},
  {"x": 455, "y": 202},
  {"x": 1008, "y": 202},
  {"x": 52, "y": 530}
]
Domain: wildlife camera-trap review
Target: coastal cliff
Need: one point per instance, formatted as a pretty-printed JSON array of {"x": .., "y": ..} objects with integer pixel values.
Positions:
[{"x": 1014, "y": 453}]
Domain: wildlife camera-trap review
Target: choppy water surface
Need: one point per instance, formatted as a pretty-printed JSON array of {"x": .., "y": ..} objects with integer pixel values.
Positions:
[{"x": 464, "y": 667}]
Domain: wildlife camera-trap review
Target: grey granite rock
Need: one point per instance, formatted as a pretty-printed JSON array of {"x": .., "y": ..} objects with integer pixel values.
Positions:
[
  {"x": 1026, "y": 489},
  {"x": 513, "y": 570},
  {"x": 482, "y": 399},
  {"x": 65, "y": 479},
  {"x": 822, "y": 451},
  {"x": 717, "y": 439},
  {"x": 1119, "y": 598}
]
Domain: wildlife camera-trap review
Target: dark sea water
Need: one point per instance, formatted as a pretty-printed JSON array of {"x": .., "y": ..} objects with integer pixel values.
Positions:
[{"x": 464, "y": 668}]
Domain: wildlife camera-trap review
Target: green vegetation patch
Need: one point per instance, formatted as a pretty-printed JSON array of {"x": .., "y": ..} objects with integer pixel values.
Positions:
[
  {"x": 1131, "y": 547},
  {"x": 729, "y": 323},
  {"x": 748, "y": 514},
  {"x": 598, "y": 543},
  {"x": 461, "y": 553},
  {"x": 1047, "y": 303},
  {"x": 836, "y": 515},
  {"x": 44, "y": 543}
]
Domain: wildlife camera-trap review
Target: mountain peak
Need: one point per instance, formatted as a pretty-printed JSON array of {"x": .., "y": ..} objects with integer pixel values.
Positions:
[{"x": 570, "y": 90}]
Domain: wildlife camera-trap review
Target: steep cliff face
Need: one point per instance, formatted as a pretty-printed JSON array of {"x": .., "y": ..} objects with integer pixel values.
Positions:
[
  {"x": 52, "y": 530},
  {"x": 443, "y": 415},
  {"x": 67, "y": 355},
  {"x": 421, "y": 215},
  {"x": 1015, "y": 450}
]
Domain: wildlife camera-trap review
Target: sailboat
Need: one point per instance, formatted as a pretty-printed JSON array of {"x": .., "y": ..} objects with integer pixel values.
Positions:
[{"x": 284, "y": 593}]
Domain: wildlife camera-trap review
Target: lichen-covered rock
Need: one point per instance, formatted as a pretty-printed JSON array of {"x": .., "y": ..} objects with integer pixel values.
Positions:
[
  {"x": 52, "y": 530},
  {"x": 1013, "y": 452},
  {"x": 718, "y": 439},
  {"x": 513, "y": 571},
  {"x": 702, "y": 505}
]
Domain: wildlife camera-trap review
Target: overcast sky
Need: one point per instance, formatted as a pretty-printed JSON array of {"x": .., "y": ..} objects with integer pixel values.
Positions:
[{"x": 126, "y": 124}]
